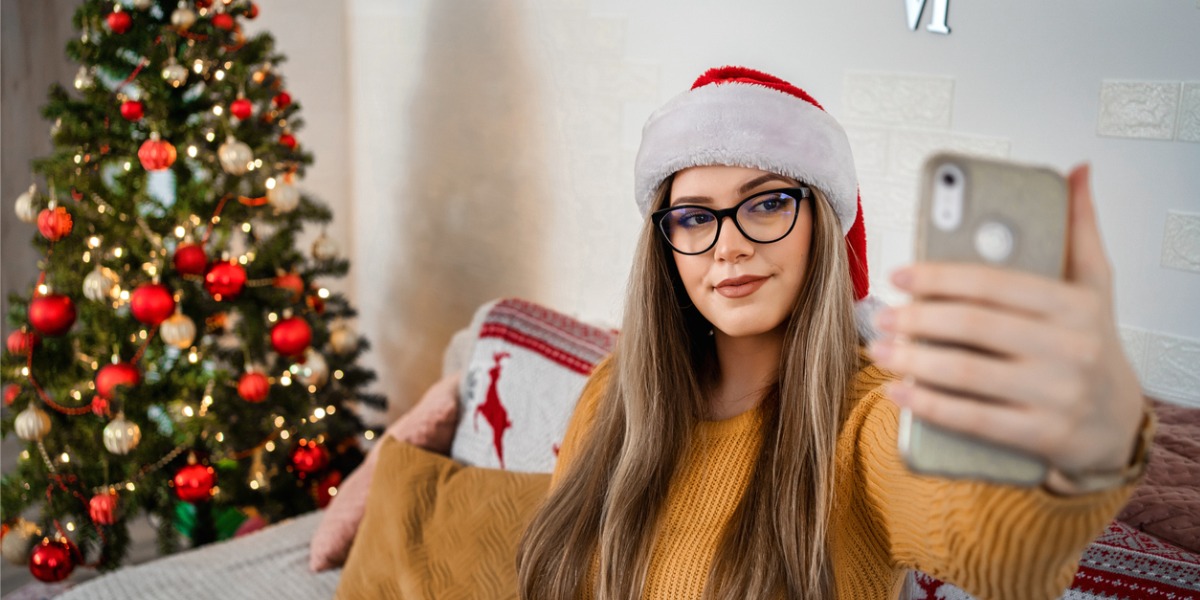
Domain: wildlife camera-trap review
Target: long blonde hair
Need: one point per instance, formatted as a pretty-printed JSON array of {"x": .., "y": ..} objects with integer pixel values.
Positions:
[{"x": 610, "y": 497}]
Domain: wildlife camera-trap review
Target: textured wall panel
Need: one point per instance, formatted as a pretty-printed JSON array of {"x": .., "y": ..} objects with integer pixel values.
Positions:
[
  {"x": 870, "y": 148},
  {"x": 908, "y": 100},
  {"x": 1188, "y": 129},
  {"x": 1138, "y": 109},
  {"x": 1181, "y": 242},
  {"x": 1134, "y": 341},
  {"x": 1173, "y": 368},
  {"x": 909, "y": 149}
]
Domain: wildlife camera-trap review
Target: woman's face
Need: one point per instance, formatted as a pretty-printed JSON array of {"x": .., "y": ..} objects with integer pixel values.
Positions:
[{"x": 742, "y": 287}]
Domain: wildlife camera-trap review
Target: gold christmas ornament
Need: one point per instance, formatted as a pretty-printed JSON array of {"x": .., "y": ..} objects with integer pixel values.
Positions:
[
  {"x": 324, "y": 248},
  {"x": 143, "y": 4},
  {"x": 84, "y": 80},
  {"x": 174, "y": 73},
  {"x": 121, "y": 436},
  {"x": 284, "y": 196},
  {"x": 235, "y": 156},
  {"x": 183, "y": 17},
  {"x": 342, "y": 338},
  {"x": 100, "y": 283},
  {"x": 18, "y": 542},
  {"x": 24, "y": 206},
  {"x": 315, "y": 370},
  {"x": 32, "y": 424},
  {"x": 178, "y": 330}
]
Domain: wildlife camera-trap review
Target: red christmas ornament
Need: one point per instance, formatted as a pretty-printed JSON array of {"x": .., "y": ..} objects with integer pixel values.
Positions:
[
  {"x": 224, "y": 22},
  {"x": 53, "y": 560},
  {"x": 291, "y": 336},
  {"x": 55, "y": 223},
  {"x": 254, "y": 387},
  {"x": 152, "y": 303},
  {"x": 76, "y": 195},
  {"x": 11, "y": 391},
  {"x": 241, "y": 108},
  {"x": 203, "y": 3},
  {"x": 252, "y": 12},
  {"x": 282, "y": 100},
  {"x": 52, "y": 314},
  {"x": 156, "y": 154},
  {"x": 118, "y": 22},
  {"x": 194, "y": 482},
  {"x": 292, "y": 283},
  {"x": 110, "y": 377},
  {"x": 190, "y": 259},
  {"x": 326, "y": 488},
  {"x": 103, "y": 508},
  {"x": 100, "y": 406},
  {"x": 315, "y": 303},
  {"x": 132, "y": 110},
  {"x": 20, "y": 342},
  {"x": 225, "y": 280},
  {"x": 288, "y": 140},
  {"x": 309, "y": 457}
]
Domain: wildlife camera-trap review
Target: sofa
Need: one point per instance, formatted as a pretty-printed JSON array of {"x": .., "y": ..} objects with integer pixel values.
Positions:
[{"x": 437, "y": 508}]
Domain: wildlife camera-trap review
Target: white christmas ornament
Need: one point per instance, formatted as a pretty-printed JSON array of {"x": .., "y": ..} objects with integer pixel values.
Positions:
[
  {"x": 235, "y": 156},
  {"x": 24, "y": 206},
  {"x": 324, "y": 248},
  {"x": 84, "y": 80},
  {"x": 121, "y": 436},
  {"x": 314, "y": 371},
  {"x": 284, "y": 196},
  {"x": 183, "y": 17},
  {"x": 174, "y": 73},
  {"x": 99, "y": 284},
  {"x": 143, "y": 4},
  {"x": 32, "y": 424},
  {"x": 342, "y": 339},
  {"x": 178, "y": 330}
]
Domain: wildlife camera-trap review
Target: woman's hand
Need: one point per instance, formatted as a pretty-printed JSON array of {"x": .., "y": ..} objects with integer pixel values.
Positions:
[{"x": 1051, "y": 361}]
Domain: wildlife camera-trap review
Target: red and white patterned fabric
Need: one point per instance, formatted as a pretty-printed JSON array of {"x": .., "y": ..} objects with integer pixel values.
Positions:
[
  {"x": 1123, "y": 563},
  {"x": 527, "y": 369}
]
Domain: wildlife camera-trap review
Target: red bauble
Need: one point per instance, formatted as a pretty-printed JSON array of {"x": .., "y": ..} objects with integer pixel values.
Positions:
[
  {"x": 11, "y": 391},
  {"x": 100, "y": 406},
  {"x": 241, "y": 108},
  {"x": 254, "y": 387},
  {"x": 109, "y": 377},
  {"x": 52, "y": 314},
  {"x": 55, "y": 223},
  {"x": 223, "y": 21},
  {"x": 309, "y": 457},
  {"x": 252, "y": 12},
  {"x": 203, "y": 3},
  {"x": 156, "y": 154},
  {"x": 76, "y": 195},
  {"x": 282, "y": 100},
  {"x": 292, "y": 283},
  {"x": 20, "y": 342},
  {"x": 152, "y": 303},
  {"x": 321, "y": 491},
  {"x": 118, "y": 22},
  {"x": 194, "y": 483},
  {"x": 315, "y": 303},
  {"x": 291, "y": 336},
  {"x": 190, "y": 259},
  {"x": 288, "y": 140},
  {"x": 103, "y": 508},
  {"x": 132, "y": 110},
  {"x": 225, "y": 280},
  {"x": 53, "y": 560}
]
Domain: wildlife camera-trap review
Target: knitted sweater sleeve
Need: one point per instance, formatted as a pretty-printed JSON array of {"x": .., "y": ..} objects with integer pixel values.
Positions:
[
  {"x": 993, "y": 541},
  {"x": 581, "y": 419}
]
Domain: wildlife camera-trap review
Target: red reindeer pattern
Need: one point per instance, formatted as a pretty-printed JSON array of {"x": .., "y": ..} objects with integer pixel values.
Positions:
[{"x": 493, "y": 411}]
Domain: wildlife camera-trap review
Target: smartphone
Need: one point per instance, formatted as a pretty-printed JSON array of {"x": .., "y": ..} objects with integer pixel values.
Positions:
[{"x": 993, "y": 212}]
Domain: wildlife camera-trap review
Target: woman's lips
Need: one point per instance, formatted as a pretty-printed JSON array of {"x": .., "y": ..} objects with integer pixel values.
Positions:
[{"x": 739, "y": 287}]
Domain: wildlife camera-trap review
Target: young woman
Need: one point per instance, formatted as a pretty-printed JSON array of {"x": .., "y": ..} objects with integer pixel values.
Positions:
[{"x": 741, "y": 442}]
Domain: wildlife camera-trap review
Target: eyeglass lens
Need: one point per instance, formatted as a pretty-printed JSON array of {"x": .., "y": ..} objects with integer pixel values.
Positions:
[{"x": 763, "y": 218}]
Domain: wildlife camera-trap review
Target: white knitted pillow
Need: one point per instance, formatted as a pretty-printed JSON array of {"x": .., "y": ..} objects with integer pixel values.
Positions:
[{"x": 527, "y": 369}]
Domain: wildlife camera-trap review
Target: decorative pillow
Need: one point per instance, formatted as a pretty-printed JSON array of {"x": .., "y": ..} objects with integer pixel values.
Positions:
[
  {"x": 1167, "y": 502},
  {"x": 526, "y": 372},
  {"x": 435, "y": 528},
  {"x": 430, "y": 424},
  {"x": 1122, "y": 563}
]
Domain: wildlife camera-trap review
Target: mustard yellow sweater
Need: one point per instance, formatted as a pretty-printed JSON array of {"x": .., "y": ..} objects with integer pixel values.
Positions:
[{"x": 995, "y": 542}]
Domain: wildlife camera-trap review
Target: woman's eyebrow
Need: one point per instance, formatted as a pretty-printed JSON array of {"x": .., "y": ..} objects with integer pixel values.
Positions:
[{"x": 745, "y": 188}]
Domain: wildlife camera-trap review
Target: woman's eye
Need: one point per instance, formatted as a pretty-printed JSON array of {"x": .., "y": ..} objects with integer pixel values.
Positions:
[
  {"x": 770, "y": 204},
  {"x": 694, "y": 219}
]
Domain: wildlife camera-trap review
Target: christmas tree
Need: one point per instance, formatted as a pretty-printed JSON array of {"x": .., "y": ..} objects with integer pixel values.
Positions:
[{"x": 178, "y": 356}]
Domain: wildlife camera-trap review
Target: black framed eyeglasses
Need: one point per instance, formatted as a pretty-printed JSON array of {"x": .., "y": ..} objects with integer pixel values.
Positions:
[{"x": 764, "y": 218}]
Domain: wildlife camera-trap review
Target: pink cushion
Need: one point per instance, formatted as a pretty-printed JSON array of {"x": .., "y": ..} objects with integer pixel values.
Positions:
[{"x": 430, "y": 425}]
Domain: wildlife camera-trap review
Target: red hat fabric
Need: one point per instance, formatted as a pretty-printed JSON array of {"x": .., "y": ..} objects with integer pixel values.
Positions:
[{"x": 742, "y": 117}]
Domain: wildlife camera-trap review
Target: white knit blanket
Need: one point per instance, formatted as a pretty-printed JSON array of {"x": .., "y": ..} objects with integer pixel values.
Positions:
[{"x": 270, "y": 563}]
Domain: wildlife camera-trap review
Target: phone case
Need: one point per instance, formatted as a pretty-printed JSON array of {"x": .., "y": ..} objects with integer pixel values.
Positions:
[{"x": 1018, "y": 208}]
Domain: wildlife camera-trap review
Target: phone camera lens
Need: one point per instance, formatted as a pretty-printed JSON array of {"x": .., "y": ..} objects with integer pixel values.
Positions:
[{"x": 948, "y": 179}]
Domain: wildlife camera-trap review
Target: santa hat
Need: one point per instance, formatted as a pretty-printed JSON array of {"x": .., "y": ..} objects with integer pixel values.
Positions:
[{"x": 745, "y": 118}]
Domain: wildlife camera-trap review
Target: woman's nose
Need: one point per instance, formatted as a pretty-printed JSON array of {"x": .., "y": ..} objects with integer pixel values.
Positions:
[{"x": 731, "y": 245}]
